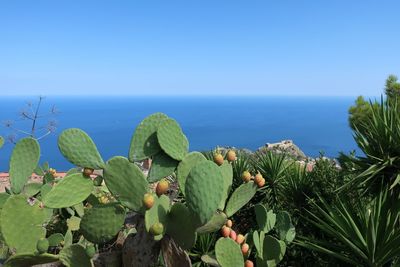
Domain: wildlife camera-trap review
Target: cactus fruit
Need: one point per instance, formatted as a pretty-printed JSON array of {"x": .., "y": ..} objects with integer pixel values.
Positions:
[
  {"x": 24, "y": 159},
  {"x": 61, "y": 196},
  {"x": 240, "y": 197},
  {"x": 42, "y": 245},
  {"x": 79, "y": 149},
  {"x": 225, "y": 231},
  {"x": 52, "y": 172},
  {"x": 246, "y": 176},
  {"x": 90, "y": 250},
  {"x": 88, "y": 171},
  {"x": 261, "y": 182},
  {"x": 258, "y": 177},
  {"x": 126, "y": 182},
  {"x": 229, "y": 223},
  {"x": 148, "y": 200},
  {"x": 228, "y": 253},
  {"x": 185, "y": 166},
  {"x": 172, "y": 140},
  {"x": 245, "y": 249},
  {"x": 231, "y": 155},
  {"x": 248, "y": 263},
  {"x": 162, "y": 187},
  {"x": 162, "y": 166},
  {"x": 144, "y": 142},
  {"x": 218, "y": 159},
  {"x": 240, "y": 239},
  {"x": 157, "y": 229},
  {"x": 233, "y": 235}
]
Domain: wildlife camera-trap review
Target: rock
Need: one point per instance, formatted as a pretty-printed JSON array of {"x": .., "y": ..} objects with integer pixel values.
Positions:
[{"x": 285, "y": 146}]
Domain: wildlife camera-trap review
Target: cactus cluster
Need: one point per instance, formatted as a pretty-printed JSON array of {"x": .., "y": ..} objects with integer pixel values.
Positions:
[{"x": 205, "y": 184}]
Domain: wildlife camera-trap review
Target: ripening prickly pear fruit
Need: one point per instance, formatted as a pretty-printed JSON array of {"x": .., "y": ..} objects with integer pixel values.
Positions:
[
  {"x": 53, "y": 172},
  {"x": 240, "y": 239},
  {"x": 88, "y": 171},
  {"x": 162, "y": 187},
  {"x": 225, "y": 231},
  {"x": 261, "y": 183},
  {"x": 245, "y": 249},
  {"x": 258, "y": 178},
  {"x": 231, "y": 155},
  {"x": 246, "y": 176},
  {"x": 248, "y": 263},
  {"x": 90, "y": 251},
  {"x": 229, "y": 223},
  {"x": 218, "y": 159},
  {"x": 148, "y": 200},
  {"x": 157, "y": 228},
  {"x": 42, "y": 245},
  {"x": 233, "y": 235}
]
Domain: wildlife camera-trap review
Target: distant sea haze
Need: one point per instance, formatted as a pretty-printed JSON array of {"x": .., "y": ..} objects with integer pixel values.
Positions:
[{"x": 315, "y": 124}]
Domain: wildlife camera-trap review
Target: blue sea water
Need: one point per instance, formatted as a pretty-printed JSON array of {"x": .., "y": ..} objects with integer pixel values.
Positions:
[{"x": 314, "y": 123}]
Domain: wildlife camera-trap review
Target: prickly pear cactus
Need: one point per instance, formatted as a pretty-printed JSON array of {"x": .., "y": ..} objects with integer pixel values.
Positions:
[
  {"x": 144, "y": 143},
  {"x": 22, "y": 223},
  {"x": 227, "y": 173},
  {"x": 162, "y": 166},
  {"x": 79, "y": 149},
  {"x": 204, "y": 191},
  {"x": 214, "y": 224},
  {"x": 240, "y": 197},
  {"x": 29, "y": 259},
  {"x": 172, "y": 140},
  {"x": 184, "y": 167},
  {"x": 265, "y": 219},
  {"x": 284, "y": 227},
  {"x": 126, "y": 182},
  {"x": 180, "y": 226},
  {"x": 158, "y": 214},
  {"x": 102, "y": 223},
  {"x": 274, "y": 250},
  {"x": 24, "y": 159},
  {"x": 70, "y": 191},
  {"x": 228, "y": 253},
  {"x": 75, "y": 256}
]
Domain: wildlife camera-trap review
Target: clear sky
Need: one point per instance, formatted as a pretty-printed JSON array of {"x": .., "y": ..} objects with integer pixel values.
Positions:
[{"x": 198, "y": 47}]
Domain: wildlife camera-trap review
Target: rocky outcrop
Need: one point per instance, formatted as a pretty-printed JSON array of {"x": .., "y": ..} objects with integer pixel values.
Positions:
[{"x": 285, "y": 146}]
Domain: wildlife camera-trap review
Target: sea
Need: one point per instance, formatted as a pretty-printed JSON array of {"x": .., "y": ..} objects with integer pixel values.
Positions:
[{"x": 316, "y": 124}]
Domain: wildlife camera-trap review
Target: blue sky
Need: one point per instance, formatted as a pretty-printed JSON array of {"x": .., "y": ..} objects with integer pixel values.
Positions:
[{"x": 198, "y": 47}]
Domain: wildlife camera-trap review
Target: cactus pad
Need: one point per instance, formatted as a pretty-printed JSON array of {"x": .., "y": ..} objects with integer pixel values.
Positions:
[
  {"x": 22, "y": 223},
  {"x": 162, "y": 166},
  {"x": 216, "y": 222},
  {"x": 75, "y": 256},
  {"x": 144, "y": 143},
  {"x": 70, "y": 191},
  {"x": 30, "y": 259},
  {"x": 73, "y": 223},
  {"x": 79, "y": 149},
  {"x": 157, "y": 213},
  {"x": 227, "y": 173},
  {"x": 55, "y": 239},
  {"x": 102, "y": 223},
  {"x": 265, "y": 219},
  {"x": 228, "y": 253},
  {"x": 204, "y": 190},
  {"x": 172, "y": 140},
  {"x": 126, "y": 182},
  {"x": 3, "y": 199},
  {"x": 240, "y": 197},
  {"x": 180, "y": 226},
  {"x": 32, "y": 189},
  {"x": 284, "y": 227},
  {"x": 274, "y": 250},
  {"x": 24, "y": 159},
  {"x": 185, "y": 166},
  {"x": 1, "y": 141}
]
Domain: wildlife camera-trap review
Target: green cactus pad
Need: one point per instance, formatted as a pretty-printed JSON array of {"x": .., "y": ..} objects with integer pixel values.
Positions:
[
  {"x": 30, "y": 259},
  {"x": 216, "y": 222},
  {"x": 46, "y": 188},
  {"x": 172, "y": 140},
  {"x": 42, "y": 245},
  {"x": 180, "y": 226},
  {"x": 186, "y": 165},
  {"x": 73, "y": 223},
  {"x": 265, "y": 219},
  {"x": 32, "y": 189},
  {"x": 274, "y": 250},
  {"x": 284, "y": 227},
  {"x": 79, "y": 149},
  {"x": 162, "y": 166},
  {"x": 102, "y": 223},
  {"x": 126, "y": 182},
  {"x": 228, "y": 253},
  {"x": 24, "y": 159},
  {"x": 157, "y": 213},
  {"x": 1, "y": 141},
  {"x": 55, "y": 239},
  {"x": 75, "y": 256},
  {"x": 70, "y": 191},
  {"x": 227, "y": 173},
  {"x": 204, "y": 190},
  {"x": 240, "y": 197},
  {"x": 3, "y": 199},
  {"x": 144, "y": 143},
  {"x": 22, "y": 223}
]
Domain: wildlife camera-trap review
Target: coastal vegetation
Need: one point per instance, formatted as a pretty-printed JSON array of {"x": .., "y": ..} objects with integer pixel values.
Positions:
[{"x": 162, "y": 205}]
